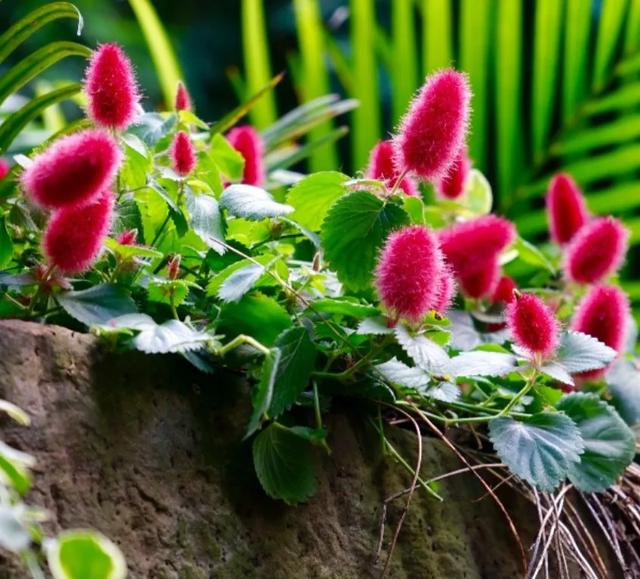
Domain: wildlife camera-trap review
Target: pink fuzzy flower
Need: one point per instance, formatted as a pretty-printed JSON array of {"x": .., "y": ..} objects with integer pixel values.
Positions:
[
  {"x": 183, "y": 100},
  {"x": 382, "y": 167},
  {"x": 603, "y": 313},
  {"x": 4, "y": 168},
  {"x": 504, "y": 290},
  {"x": 533, "y": 325},
  {"x": 74, "y": 236},
  {"x": 472, "y": 249},
  {"x": 73, "y": 171},
  {"x": 451, "y": 186},
  {"x": 433, "y": 131},
  {"x": 596, "y": 251},
  {"x": 248, "y": 143},
  {"x": 183, "y": 155},
  {"x": 566, "y": 209},
  {"x": 408, "y": 273},
  {"x": 446, "y": 291},
  {"x": 111, "y": 88},
  {"x": 128, "y": 237}
]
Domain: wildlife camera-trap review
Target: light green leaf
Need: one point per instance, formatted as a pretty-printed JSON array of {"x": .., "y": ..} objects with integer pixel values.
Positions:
[
  {"x": 541, "y": 449},
  {"x": 424, "y": 352},
  {"x": 229, "y": 161},
  {"x": 98, "y": 304},
  {"x": 251, "y": 203},
  {"x": 263, "y": 391},
  {"x": 580, "y": 352},
  {"x": 170, "y": 337},
  {"x": 376, "y": 326},
  {"x": 240, "y": 282},
  {"x": 623, "y": 380},
  {"x": 353, "y": 232},
  {"x": 284, "y": 464},
  {"x": 530, "y": 254},
  {"x": 482, "y": 364},
  {"x": 398, "y": 372},
  {"x": 152, "y": 127},
  {"x": 14, "y": 530},
  {"x": 206, "y": 220},
  {"x": 478, "y": 197},
  {"x": 82, "y": 554},
  {"x": 343, "y": 307},
  {"x": 609, "y": 442},
  {"x": 312, "y": 197},
  {"x": 15, "y": 412}
]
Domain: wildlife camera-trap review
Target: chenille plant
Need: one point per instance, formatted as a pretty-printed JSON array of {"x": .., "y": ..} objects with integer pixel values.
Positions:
[{"x": 396, "y": 288}]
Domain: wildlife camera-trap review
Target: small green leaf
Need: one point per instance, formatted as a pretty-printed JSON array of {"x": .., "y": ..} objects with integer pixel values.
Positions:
[
  {"x": 6, "y": 245},
  {"x": 482, "y": 364},
  {"x": 353, "y": 232},
  {"x": 229, "y": 161},
  {"x": 284, "y": 464},
  {"x": 532, "y": 255},
  {"x": 314, "y": 195},
  {"x": 399, "y": 373},
  {"x": 541, "y": 449},
  {"x": 609, "y": 443},
  {"x": 623, "y": 380},
  {"x": 263, "y": 392},
  {"x": 478, "y": 197},
  {"x": 206, "y": 220},
  {"x": 293, "y": 369},
  {"x": 424, "y": 352},
  {"x": 240, "y": 282},
  {"x": 251, "y": 203},
  {"x": 153, "y": 127},
  {"x": 444, "y": 392},
  {"x": 80, "y": 554},
  {"x": 580, "y": 352},
  {"x": 343, "y": 307},
  {"x": 557, "y": 372},
  {"x": 15, "y": 412},
  {"x": 376, "y": 326},
  {"x": 98, "y": 304}
]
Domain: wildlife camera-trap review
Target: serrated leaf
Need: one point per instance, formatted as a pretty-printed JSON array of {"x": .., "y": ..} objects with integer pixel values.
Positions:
[
  {"x": 557, "y": 372},
  {"x": 343, "y": 307},
  {"x": 623, "y": 380},
  {"x": 580, "y": 352},
  {"x": 374, "y": 327},
  {"x": 206, "y": 220},
  {"x": 482, "y": 364},
  {"x": 297, "y": 361},
  {"x": 252, "y": 203},
  {"x": 284, "y": 464},
  {"x": 609, "y": 442},
  {"x": 152, "y": 127},
  {"x": 425, "y": 353},
  {"x": 398, "y": 372},
  {"x": 173, "y": 336},
  {"x": 444, "y": 392},
  {"x": 353, "y": 233},
  {"x": 98, "y": 304},
  {"x": 263, "y": 391},
  {"x": 314, "y": 195},
  {"x": 541, "y": 449},
  {"x": 240, "y": 282}
]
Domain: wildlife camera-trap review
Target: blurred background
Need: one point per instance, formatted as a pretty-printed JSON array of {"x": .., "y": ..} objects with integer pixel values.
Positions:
[{"x": 556, "y": 82}]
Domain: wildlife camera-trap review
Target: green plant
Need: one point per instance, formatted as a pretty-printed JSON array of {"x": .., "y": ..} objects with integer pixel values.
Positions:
[{"x": 309, "y": 286}]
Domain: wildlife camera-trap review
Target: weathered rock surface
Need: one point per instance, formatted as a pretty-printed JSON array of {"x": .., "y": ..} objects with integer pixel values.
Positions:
[{"x": 149, "y": 452}]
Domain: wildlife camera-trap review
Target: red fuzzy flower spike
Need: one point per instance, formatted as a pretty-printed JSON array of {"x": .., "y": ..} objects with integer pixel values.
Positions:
[
  {"x": 183, "y": 155},
  {"x": 248, "y": 143},
  {"x": 111, "y": 88},
  {"x": 73, "y": 171},
  {"x": 451, "y": 186},
  {"x": 4, "y": 168},
  {"x": 504, "y": 290},
  {"x": 434, "y": 130},
  {"x": 446, "y": 291},
  {"x": 566, "y": 209},
  {"x": 183, "y": 100},
  {"x": 382, "y": 167},
  {"x": 603, "y": 313},
  {"x": 74, "y": 236},
  {"x": 408, "y": 273},
  {"x": 596, "y": 251},
  {"x": 533, "y": 325},
  {"x": 472, "y": 249}
]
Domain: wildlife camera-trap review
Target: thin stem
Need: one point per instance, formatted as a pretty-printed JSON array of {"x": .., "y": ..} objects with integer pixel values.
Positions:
[
  {"x": 239, "y": 341},
  {"x": 520, "y": 395},
  {"x": 316, "y": 406}
]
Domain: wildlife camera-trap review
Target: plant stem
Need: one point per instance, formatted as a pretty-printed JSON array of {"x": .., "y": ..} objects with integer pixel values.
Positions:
[
  {"x": 520, "y": 395},
  {"x": 239, "y": 341}
]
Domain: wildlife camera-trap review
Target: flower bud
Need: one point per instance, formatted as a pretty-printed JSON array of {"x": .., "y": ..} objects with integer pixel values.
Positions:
[
  {"x": 127, "y": 237},
  {"x": 446, "y": 291},
  {"x": 4, "y": 168},
  {"x": 183, "y": 100},
  {"x": 533, "y": 325},
  {"x": 503, "y": 293},
  {"x": 183, "y": 155},
  {"x": 248, "y": 143},
  {"x": 451, "y": 186},
  {"x": 566, "y": 209},
  {"x": 173, "y": 266},
  {"x": 382, "y": 167}
]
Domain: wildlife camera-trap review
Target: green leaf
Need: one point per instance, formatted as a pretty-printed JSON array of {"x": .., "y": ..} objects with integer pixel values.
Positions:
[
  {"x": 15, "y": 412},
  {"x": 162, "y": 53},
  {"x": 353, "y": 232},
  {"x": 541, "y": 449},
  {"x": 229, "y": 161},
  {"x": 580, "y": 352},
  {"x": 36, "y": 19},
  {"x": 151, "y": 128},
  {"x": 6, "y": 245},
  {"x": 530, "y": 254},
  {"x": 623, "y": 380},
  {"x": 80, "y": 554},
  {"x": 343, "y": 307},
  {"x": 482, "y": 364},
  {"x": 444, "y": 392},
  {"x": 18, "y": 120},
  {"x": 263, "y": 392},
  {"x": 610, "y": 22},
  {"x": 31, "y": 66},
  {"x": 557, "y": 372},
  {"x": 577, "y": 27},
  {"x": 424, "y": 352},
  {"x": 478, "y": 197},
  {"x": 218, "y": 280},
  {"x": 284, "y": 464},
  {"x": 127, "y": 251},
  {"x": 436, "y": 48},
  {"x": 251, "y": 203},
  {"x": 312, "y": 197},
  {"x": 206, "y": 220},
  {"x": 376, "y": 326},
  {"x": 297, "y": 361},
  {"x": 609, "y": 442},
  {"x": 98, "y": 304},
  {"x": 256, "y": 315},
  {"x": 14, "y": 464}
]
